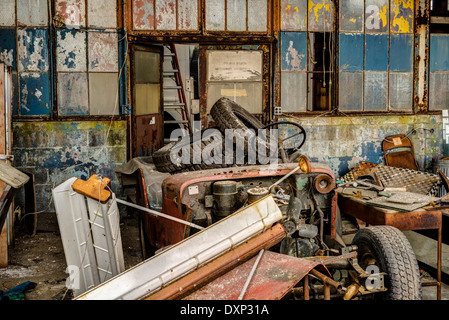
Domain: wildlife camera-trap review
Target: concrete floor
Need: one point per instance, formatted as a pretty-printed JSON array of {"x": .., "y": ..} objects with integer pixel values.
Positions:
[{"x": 41, "y": 259}]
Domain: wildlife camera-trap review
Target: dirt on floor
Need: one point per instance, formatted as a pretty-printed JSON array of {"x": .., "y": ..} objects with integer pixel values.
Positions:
[{"x": 40, "y": 259}]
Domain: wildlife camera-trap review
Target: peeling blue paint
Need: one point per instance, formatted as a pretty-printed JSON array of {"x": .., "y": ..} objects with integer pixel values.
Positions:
[
  {"x": 34, "y": 94},
  {"x": 33, "y": 50},
  {"x": 8, "y": 47}
]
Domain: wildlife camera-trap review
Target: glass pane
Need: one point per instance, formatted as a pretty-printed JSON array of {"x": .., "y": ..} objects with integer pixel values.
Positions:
[
  {"x": 103, "y": 51},
  {"x": 215, "y": 18},
  {"x": 375, "y": 95},
  {"x": 148, "y": 98},
  {"x": 351, "y": 15},
  {"x": 351, "y": 91},
  {"x": 73, "y": 12},
  {"x": 103, "y": 94},
  {"x": 294, "y": 91},
  {"x": 33, "y": 49},
  {"x": 439, "y": 52},
  {"x": 401, "y": 16},
  {"x": 376, "y": 15},
  {"x": 72, "y": 94},
  {"x": 8, "y": 47},
  {"x": 321, "y": 15},
  {"x": 102, "y": 13},
  {"x": 8, "y": 13},
  {"x": 294, "y": 51},
  {"x": 439, "y": 91},
  {"x": 376, "y": 52},
  {"x": 34, "y": 94},
  {"x": 401, "y": 52},
  {"x": 143, "y": 14},
  {"x": 147, "y": 67},
  {"x": 236, "y": 13},
  {"x": 187, "y": 15},
  {"x": 32, "y": 13},
  {"x": 351, "y": 51},
  {"x": 401, "y": 91},
  {"x": 257, "y": 15},
  {"x": 294, "y": 15},
  {"x": 234, "y": 65},
  {"x": 71, "y": 50},
  {"x": 166, "y": 14},
  {"x": 246, "y": 94}
]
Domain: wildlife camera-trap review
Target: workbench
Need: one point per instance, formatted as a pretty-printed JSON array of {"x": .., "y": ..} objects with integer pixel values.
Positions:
[{"x": 416, "y": 220}]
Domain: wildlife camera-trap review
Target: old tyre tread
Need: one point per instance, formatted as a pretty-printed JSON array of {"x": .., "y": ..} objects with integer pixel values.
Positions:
[{"x": 395, "y": 256}]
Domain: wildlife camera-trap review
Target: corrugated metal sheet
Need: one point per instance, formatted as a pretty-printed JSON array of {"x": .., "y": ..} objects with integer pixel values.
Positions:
[
  {"x": 32, "y": 13},
  {"x": 73, "y": 94},
  {"x": 33, "y": 50},
  {"x": 103, "y": 51},
  {"x": 34, "y": 94},
  {"x": 8, "y": 13},
  {"x": 294, "y": 15},
  {"x": 71, "y": 50},
  {"x": 102, "y": 13},
  {"x": 73, "y": 12}
]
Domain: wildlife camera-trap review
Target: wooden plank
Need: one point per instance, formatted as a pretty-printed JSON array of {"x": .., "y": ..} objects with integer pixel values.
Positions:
[
  {"x": 3, "y": 235},
  {"x": 12, "y": 176}
]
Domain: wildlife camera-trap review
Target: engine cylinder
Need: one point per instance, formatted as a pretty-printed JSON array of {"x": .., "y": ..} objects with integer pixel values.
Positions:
[{"x": 225, "y": 193}]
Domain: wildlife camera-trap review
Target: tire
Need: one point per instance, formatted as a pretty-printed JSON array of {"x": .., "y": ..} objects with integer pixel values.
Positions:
[
  {"x": 163, "y": 161},
  {"x": 227, "y": 114},
  {"x": 394, "y": 255}
]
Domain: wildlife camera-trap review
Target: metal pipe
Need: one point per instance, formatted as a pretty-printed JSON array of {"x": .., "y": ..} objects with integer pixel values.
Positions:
[
  {"x": 245, "y": 287},
  {"x": 306, "y": 288},
  {"x": 160, "y": 214},
  {"x": 327, "y": 291},
  {"x": 326, "y": 280}
]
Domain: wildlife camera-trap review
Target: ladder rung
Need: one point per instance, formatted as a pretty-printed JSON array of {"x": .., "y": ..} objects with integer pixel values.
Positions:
[
  {"x": 174, "y": 106},
  {"x": 175, "y": 121},
  {"x": 172, "y": 87},
  {"x": 169, "y": 54},
  {"x": 170, "y": 71}
]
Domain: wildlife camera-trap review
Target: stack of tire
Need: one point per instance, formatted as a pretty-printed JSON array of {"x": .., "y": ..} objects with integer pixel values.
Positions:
[{"x": 227, "y": 115}]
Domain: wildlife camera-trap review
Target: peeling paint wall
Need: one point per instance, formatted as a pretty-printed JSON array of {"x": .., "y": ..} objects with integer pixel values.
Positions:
[
  {"x": 57, "y": 151},
  {"x": 342, "y": 142}
]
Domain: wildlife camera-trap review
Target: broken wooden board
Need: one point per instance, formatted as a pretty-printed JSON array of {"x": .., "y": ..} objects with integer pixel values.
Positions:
[
  {"x": 93, "y": 188},
  {"x": 11, "y": 176}
]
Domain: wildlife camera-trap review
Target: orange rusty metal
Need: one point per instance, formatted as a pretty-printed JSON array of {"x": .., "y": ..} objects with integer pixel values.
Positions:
[
  {"x": 275, "y": 276},
  {"x": 222, "y": 264},
  {"x": 94, "y": 188}
]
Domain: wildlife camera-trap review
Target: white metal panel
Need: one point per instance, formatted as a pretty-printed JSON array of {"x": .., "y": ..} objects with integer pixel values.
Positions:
[
  {"x": 187, "y": 255},
  {"x": 71, "y": 213}
]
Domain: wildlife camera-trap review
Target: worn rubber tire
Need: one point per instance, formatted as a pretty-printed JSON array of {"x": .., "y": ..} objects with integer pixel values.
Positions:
[
  {"x": 162, "y": 159},
  {"x": 394, "y": 255},
  {"x": 227, "y": 114}
]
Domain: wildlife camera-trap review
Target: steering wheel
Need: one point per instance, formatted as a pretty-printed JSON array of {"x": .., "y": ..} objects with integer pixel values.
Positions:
[{"x": 284, "y": 155}]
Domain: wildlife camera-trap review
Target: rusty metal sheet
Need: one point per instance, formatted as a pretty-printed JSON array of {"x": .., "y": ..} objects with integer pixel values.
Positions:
[
  {"x": 166, "y": 14},
  {"x": 222, "y": 264},
  {"x": 102, "y": 13},
  {"x": 73, "y": 94},
  {"x": 321, "y": 15},
  {"x": 401, "y": 16},
  {"x": 72, "y": 11},
  {"x": 33, "y": 50},
  {"x": 71, "y": 50},
  {"x": 32, "y": 13},
  {"x": 8, "y": 13},
  {"x": 294, "y": 15},
  {"x": 275, "y": 275},
  {"x": 187, "y": 15},
  {"x": 143, "y": 14},
  {"x": 103, "y": 51}
]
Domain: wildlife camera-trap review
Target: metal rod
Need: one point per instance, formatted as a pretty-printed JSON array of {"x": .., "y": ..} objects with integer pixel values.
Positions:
[
  {"x": 306, "y": 288},
  {"x": 284, "y": 177},
  {"x": 326, "y": 280},
  {"x": 160, "y": 214},
  {"x": 245, "y": 287}
]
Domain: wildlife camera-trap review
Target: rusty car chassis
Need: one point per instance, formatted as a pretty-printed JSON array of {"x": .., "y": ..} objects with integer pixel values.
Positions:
[{"x": 310, "y": 231}]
